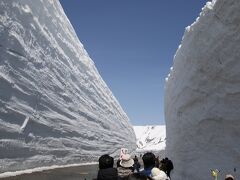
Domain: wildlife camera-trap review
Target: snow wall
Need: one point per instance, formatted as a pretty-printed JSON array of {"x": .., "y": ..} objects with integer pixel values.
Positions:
[
  {"x": 54, "y": 106},
  {"x": 202, "y": 96}
]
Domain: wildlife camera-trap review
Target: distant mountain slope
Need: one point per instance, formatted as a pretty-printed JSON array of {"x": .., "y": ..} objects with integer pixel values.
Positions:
[{"x": 150, "y": 137}]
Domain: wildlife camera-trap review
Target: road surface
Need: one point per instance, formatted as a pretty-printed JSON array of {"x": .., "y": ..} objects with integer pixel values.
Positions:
[{"x": 82, "y": 172}]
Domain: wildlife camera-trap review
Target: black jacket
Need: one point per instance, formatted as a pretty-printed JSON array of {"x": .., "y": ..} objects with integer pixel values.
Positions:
[{"x": 107, "y": 174}]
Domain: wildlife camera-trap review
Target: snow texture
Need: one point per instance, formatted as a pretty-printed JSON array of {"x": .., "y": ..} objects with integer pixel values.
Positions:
[
  {"x": 55, "y": 109},
  {"x": 150, "y": 138},
  {"x": 202, "y": 96}
]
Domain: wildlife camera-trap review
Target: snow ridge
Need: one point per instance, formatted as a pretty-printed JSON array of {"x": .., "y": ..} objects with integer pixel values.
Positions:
[
  {"x": 150, "y": 138},
  {"x": 55, "y": 108}
]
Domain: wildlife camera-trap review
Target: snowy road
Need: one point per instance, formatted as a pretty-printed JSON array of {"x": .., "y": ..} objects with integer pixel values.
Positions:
[{"x": 83, "y": 172}]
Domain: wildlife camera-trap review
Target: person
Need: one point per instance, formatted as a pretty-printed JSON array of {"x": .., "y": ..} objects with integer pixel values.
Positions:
[
  {"x": 126, "y": 167},
  {"x": 118, "y": 163},
  {"x": 106, "y": 170},
  {"x": 229, "y": 177},
  {"x": 157, "y": 174},
  {"x": 136, "y": 165},
  {"x": 166, "y": 165},
  {"x": 148, "y": 162},
  {"x": 157, "y": 162},
  {"x": 138, "y": 176}
]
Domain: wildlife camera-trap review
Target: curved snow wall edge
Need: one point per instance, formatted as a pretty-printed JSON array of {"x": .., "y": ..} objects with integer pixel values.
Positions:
[
  {"x": 202, "y": 95},
  {"x": 54, "y": 106}
]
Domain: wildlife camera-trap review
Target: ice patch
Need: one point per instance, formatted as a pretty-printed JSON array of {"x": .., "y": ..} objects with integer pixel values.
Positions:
[
  {"x": 24, "y": 124},
  {"x": 26, "y": 9}
]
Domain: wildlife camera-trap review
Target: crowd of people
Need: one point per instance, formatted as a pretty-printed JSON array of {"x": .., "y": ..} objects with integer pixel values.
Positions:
[{"x": 130, "y": 169}]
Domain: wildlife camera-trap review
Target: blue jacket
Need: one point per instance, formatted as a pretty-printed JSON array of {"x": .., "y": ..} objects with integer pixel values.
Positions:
[{"x": 146, "y": 172}]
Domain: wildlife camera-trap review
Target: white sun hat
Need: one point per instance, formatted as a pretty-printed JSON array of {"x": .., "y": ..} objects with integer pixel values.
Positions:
[
  {"x": 229, "y": 176},
  {"x": 157, "y": 174},
  {"x": 126, "y": 161}
]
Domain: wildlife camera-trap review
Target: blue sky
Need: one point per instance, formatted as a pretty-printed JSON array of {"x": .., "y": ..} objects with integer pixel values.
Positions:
[{"x": 132, "y": 43}]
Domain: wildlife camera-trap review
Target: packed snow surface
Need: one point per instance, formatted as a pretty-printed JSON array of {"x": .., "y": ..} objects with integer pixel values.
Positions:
[
  {"x": 202, "y": 96},
  {"x": 150, "y": 138},
  {"x": 55, "y": 109}
]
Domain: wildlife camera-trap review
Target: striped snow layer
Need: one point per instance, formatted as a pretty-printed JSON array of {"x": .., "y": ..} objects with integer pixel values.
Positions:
[
  {"x": 55, "y": 108},
  {"x": 202, "y": 96}
]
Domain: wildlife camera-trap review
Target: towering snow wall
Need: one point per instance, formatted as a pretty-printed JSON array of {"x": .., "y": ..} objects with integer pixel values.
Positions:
[
  {"x": 202, "y": 95},
  {"x": 54, "y": 106}
]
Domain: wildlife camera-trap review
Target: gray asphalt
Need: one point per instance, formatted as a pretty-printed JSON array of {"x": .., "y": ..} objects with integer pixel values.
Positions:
[{"x": 84, "y": 172}]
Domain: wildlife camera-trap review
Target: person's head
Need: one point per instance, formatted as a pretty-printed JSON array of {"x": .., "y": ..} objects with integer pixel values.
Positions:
[
  {"x": 105, "y": 161},
  {"x": 229, "y": 177},
  {"x": 148, "y": 160}
]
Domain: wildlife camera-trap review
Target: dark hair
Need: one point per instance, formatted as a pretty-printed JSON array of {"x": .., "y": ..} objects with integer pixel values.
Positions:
[
  {"x": 229, "y": 178},
  {"x": 105, "y": 161},
  {"x": 148, "y": 160}
]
